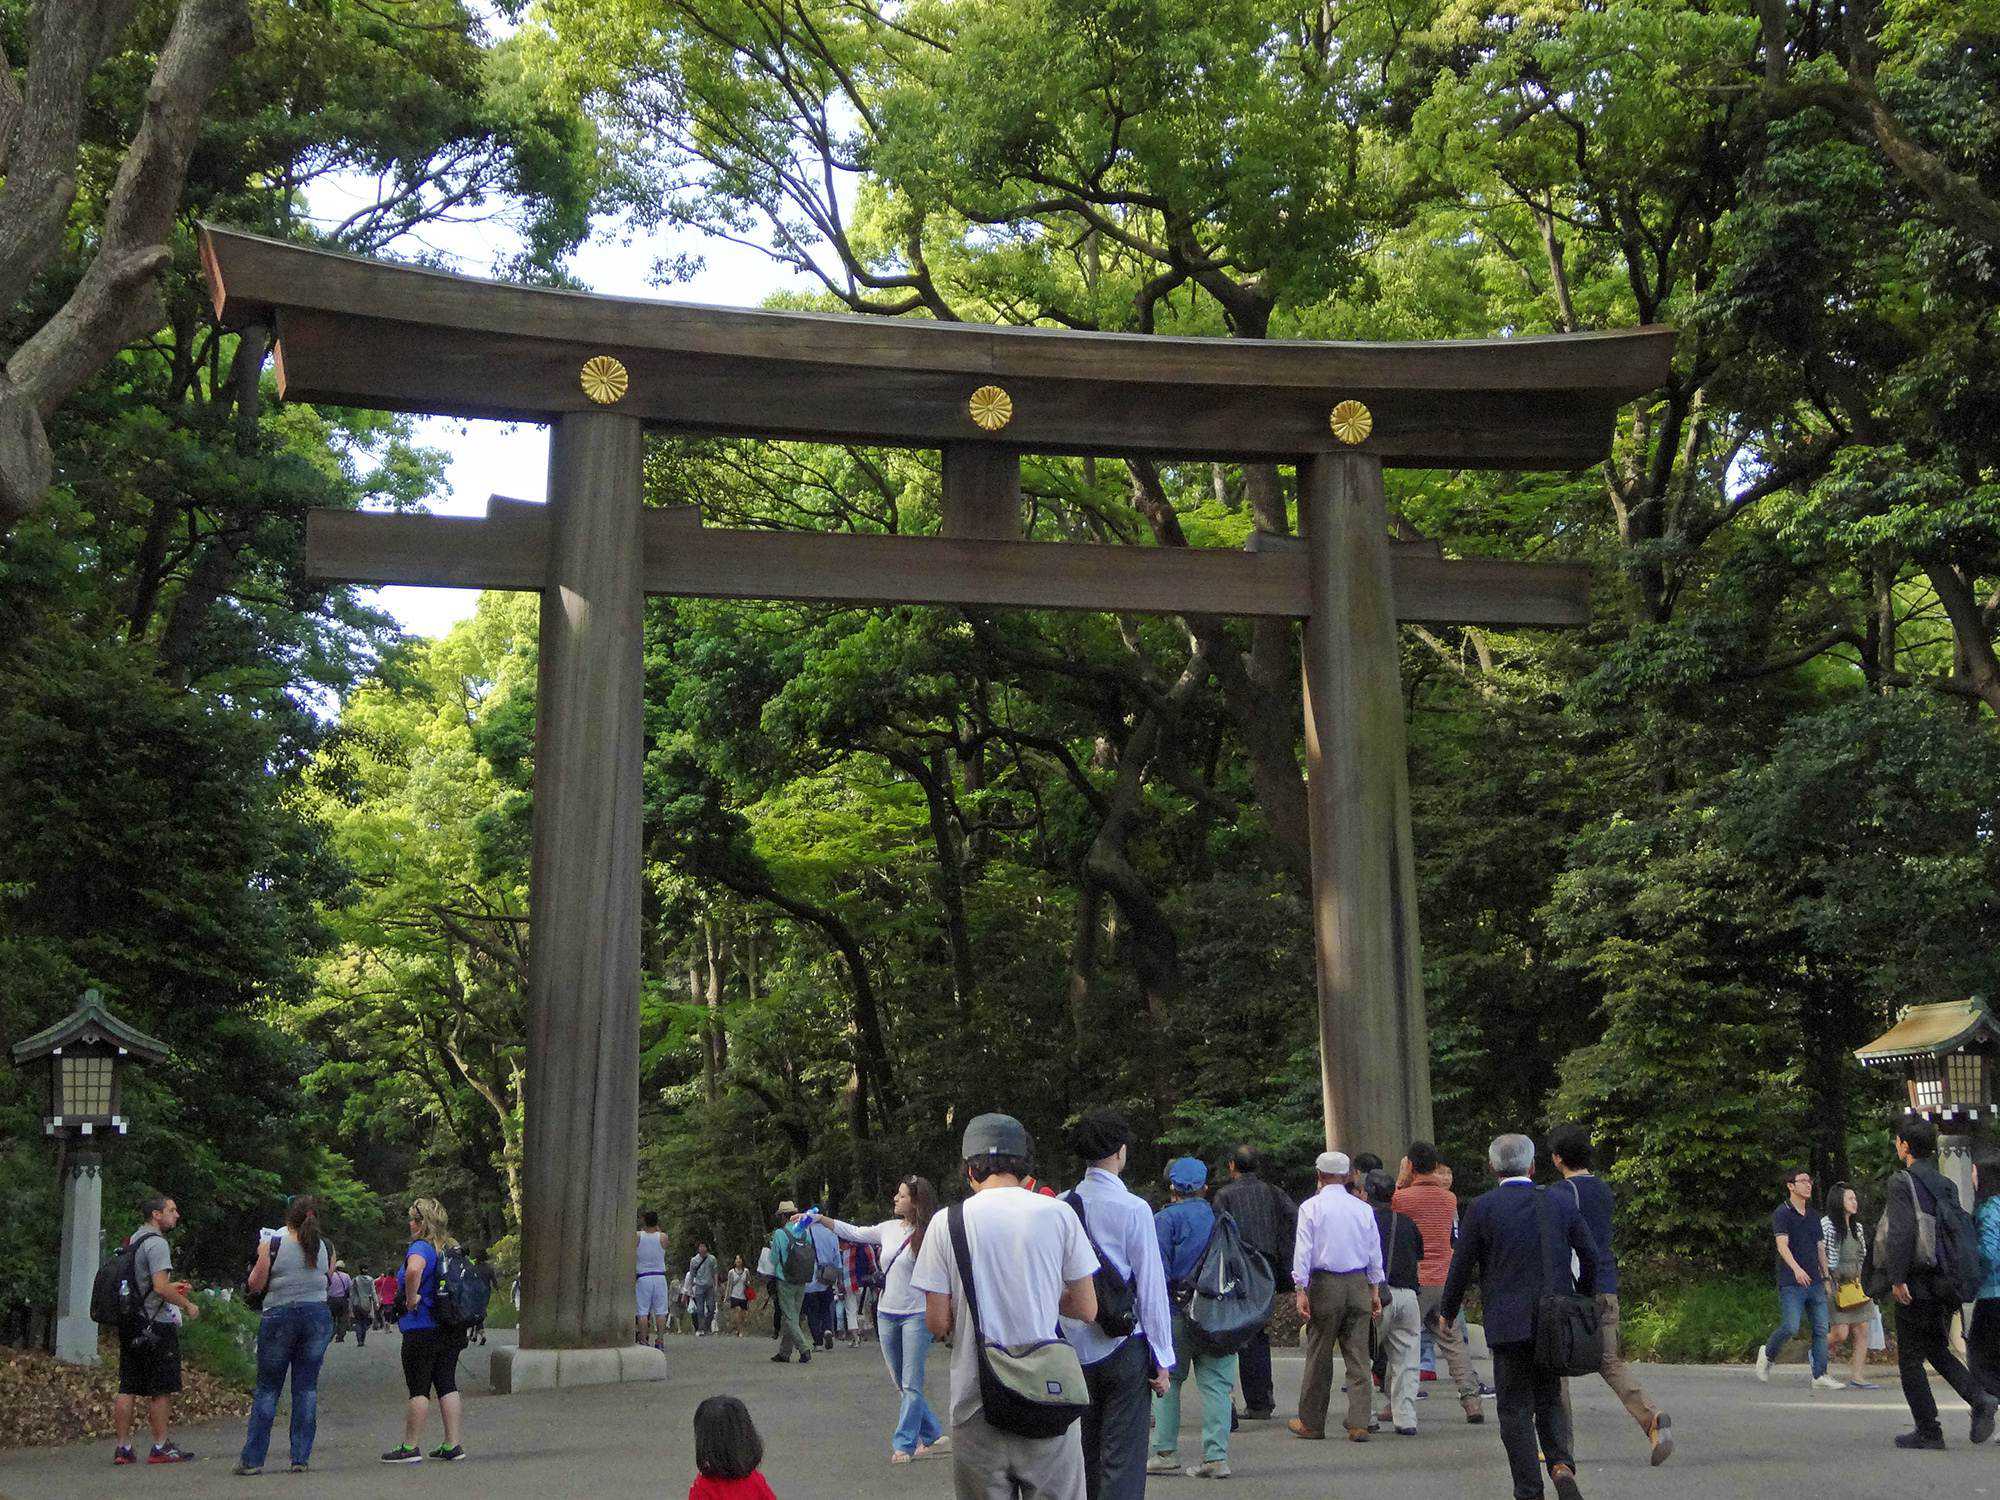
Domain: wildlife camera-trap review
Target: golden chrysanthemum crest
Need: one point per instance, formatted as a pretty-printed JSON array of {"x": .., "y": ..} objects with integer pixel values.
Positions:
[
  {"x": 1351, "y": 422},
  {"x": 991, "y": 407},
  {"x": 604, "y": 379}
]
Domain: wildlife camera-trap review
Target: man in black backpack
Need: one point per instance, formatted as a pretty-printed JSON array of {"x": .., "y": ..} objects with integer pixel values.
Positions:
[
  {"x": 1121, "y": 1355},
  {"x": 1924, "y": 1299},
  {"x": 149, "y": 1344},
  {"x": 1268, "y": 1220},
  {"x": 788, "y": 1286}
]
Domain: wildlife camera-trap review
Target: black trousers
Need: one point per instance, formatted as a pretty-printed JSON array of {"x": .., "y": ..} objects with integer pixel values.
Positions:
[
  {"x": 1531, "y": 1416},
  {"x": 1919, "y": 1338},
  {"x": 1253, "y": 1368},
  {"x": 1982, "y": 1344},
  {"x": 819, "y": 1314},
  {"x": 1116, "y": 1426}
]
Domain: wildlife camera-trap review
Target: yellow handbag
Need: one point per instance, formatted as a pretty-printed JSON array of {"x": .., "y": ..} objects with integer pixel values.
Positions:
[{"x": 1849, "y": 1295}]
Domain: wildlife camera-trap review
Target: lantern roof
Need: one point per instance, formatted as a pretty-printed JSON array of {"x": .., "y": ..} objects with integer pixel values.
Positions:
[
  {"x": 1932, "y": 1031},
  {"x": 90, "y": 1022}
]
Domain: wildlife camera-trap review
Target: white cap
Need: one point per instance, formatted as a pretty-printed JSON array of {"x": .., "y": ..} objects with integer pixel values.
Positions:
[{"x": 1334, "y": 1164}]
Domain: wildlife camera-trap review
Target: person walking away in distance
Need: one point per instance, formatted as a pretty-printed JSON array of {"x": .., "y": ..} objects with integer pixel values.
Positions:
[
  {"x": 1982, "y": 1344},
  {"x": 1571, "y": 1149},
  {"x": 1185, "y": 1227},
  {"x": 366, "y": 1309},
  {"x": 1031, "y": 1265},
  {"x": 294, "y": 1272},
  {"x": 1268, "y": 1219},
  {"x": 1846, "y": 1261},
  {"x": 1424, "y": 1194},
  {"x": 1501, "y": 1247},
  {"x": 1337, "y": 1277},
  {"x": 430, "y": 1350},
  {"x": 1924, "y": 1302},
  {"x": 149, "y": 1349},
  {"x": 905, "y": 1338},
  {"x": 727, "y": 1453},
  {"x": 1802, "y": 1275},
  {"x": 1122, "y": 1369},
  {"x": 789, "y": 1296},
  {"x": 1397, "y": 1328},
  {"x": 649, "y": 1317}
]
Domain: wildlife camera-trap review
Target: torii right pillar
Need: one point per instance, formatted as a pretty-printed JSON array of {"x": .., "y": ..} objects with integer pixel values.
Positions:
[{"x": 1375, "y": 1077}]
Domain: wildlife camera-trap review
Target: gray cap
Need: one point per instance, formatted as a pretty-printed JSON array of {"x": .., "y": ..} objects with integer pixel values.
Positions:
[
  {"x": 995, "y": 1135},
  {"x": 1333, "y": 1164}
]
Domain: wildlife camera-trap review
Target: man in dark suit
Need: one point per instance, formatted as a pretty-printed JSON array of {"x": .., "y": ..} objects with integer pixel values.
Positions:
[{"x": 1500, "y": 1243}]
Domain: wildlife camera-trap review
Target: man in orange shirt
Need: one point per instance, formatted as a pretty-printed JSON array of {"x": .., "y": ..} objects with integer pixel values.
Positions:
[{"x": 1423, "y": 1197}]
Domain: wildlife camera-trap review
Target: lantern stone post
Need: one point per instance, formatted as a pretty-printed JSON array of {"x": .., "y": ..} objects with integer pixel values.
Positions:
[{"x": 86, "y": 1052}]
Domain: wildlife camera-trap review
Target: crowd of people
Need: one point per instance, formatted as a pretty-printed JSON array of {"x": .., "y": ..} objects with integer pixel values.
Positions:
[
  {"x": 1075, "y": 1320},
  {"x": 306, "y": 1301}
]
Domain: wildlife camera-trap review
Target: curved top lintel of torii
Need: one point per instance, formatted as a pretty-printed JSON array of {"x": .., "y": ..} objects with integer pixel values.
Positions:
[{"x": 388, "y": 336}]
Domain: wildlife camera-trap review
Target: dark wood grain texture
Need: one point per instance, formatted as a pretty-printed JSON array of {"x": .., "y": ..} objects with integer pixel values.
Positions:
[
  {"x": 579, "y": 1194},
  {"x": 509, "y": 551},
  {"x": 369, "y": 333},
  {"x": 1374, "y": 1052}
]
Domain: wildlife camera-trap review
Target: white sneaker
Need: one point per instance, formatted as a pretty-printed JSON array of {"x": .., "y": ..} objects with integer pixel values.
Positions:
[
  {"x": 1828, "y": 1383},
  {"x": 1163, "y": 1463},
  {"x": 1764, "y": 1365},
  {"x": 1213, "y": 1468}
]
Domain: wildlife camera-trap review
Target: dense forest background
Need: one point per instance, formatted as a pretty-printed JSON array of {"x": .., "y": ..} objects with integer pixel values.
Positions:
[{"x": 905, "y": 865}]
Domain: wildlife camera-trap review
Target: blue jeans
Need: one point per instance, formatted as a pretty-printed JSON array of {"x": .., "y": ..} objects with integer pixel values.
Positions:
[
  {"x": 294, "y": 1338},
  {"x": 905, "y": 1342},
  {"x": 1793, "y": 1300}
]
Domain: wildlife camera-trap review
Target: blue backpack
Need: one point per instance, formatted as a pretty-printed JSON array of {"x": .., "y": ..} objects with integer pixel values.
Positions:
[{"x": 462, "y": 1290}]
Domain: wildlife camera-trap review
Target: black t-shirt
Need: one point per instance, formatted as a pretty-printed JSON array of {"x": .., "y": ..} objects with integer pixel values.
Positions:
[{"x": 1802, "y": 1230}]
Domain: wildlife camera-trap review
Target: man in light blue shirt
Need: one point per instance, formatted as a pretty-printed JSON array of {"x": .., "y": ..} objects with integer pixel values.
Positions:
[
  {"x": 825, "y": 1285},
  {"x": 1118, "y": 1367}
]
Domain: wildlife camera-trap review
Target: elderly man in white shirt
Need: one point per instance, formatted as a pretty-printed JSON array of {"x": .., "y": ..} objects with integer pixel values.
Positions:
[
  {"x": 1118, "y": 1368},
  {"x": 1337, "y": 1272}
]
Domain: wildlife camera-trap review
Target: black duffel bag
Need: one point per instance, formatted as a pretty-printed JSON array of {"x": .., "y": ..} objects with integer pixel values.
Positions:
[{"x": 1569, "y": 1340}]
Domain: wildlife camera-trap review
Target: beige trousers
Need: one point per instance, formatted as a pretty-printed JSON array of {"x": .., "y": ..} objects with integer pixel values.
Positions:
[
  {"x": 1617, "y": 1374},
  {"x": 1342, "y": 1309},
  {"x": 1457, "y": 1359}
]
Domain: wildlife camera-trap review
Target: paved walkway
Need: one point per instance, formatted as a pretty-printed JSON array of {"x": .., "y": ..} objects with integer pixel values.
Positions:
[{"x": 826, "y": 1428}]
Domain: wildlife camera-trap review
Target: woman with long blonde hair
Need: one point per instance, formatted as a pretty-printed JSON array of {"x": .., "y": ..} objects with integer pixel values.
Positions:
[{"x": 430, "y": 1351}]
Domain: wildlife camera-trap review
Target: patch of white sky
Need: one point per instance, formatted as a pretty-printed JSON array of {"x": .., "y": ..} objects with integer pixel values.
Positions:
[{"x": 509, "y": 458}]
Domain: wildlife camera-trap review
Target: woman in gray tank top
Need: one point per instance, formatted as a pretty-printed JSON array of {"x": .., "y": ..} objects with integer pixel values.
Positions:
[{"x": 291, "y": 1272}]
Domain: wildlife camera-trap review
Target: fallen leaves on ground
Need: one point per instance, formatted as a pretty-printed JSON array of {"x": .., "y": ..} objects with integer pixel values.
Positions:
[{"x": 43, "y": 1400}]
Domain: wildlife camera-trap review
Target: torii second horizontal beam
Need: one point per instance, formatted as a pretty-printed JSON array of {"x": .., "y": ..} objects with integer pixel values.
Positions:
[{"x": 509, "y": 550}]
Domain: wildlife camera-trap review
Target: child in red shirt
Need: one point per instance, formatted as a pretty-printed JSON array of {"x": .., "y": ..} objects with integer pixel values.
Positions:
[{"x": 727, "y": 1452}]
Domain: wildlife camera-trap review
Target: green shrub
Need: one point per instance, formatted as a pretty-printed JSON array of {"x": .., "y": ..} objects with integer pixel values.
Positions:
[
  {"x": 222, "y": 1341},
  {"x": 1717, "y": 1320}
]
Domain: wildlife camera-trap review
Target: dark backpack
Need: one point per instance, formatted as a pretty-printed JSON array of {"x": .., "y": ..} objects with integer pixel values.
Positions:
[
  {"x": 1117, "y": 1296},
  {"x": 462, "y": 1290},
  {"x": 117, "y": 1300},
  {"x": 1958, "y": 1267},
  {"x": 1233, "y": 1291},
  {"x": 255, "y": 1300},
  {"x": 800, "y": 1262}
]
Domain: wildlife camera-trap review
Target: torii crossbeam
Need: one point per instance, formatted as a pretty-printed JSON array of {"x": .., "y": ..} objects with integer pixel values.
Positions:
[{"x": 601, "y": 371}]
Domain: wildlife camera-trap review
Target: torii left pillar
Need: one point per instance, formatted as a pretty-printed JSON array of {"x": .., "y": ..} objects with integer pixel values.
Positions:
[{"x": 579, "y": 1188}]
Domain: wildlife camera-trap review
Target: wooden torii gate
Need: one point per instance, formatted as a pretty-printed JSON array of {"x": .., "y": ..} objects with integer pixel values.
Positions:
[{"x": 602, "y": 370}]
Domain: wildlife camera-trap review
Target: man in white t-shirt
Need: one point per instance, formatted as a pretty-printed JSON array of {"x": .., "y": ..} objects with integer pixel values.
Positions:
[
  {"x": 1031, "y": 1264},
  {"x": 649, "y": 1321}
]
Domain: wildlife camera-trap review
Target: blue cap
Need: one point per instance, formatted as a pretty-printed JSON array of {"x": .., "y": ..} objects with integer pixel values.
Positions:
[{"x": 1186, "y": 1172}]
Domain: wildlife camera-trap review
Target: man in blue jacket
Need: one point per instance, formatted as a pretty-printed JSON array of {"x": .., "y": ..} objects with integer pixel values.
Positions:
[
  {"x": 1184, "y": 1227},
  {"x": 1500, "y": 1244}
]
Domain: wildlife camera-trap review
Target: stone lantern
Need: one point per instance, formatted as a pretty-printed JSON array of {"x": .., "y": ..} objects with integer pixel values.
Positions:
[
  {"x": 1947, "y": 1054},
  {"x": 86, "y": 1053}
]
